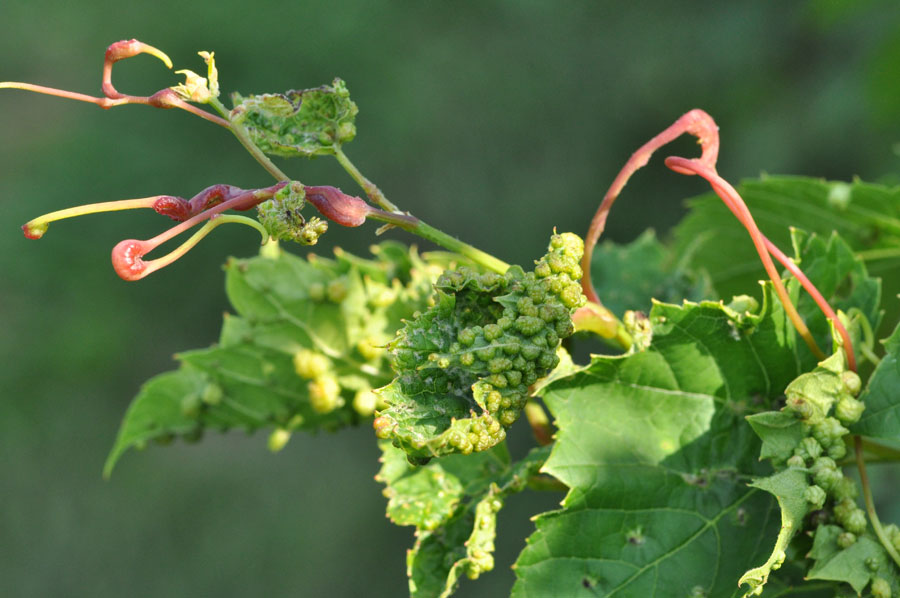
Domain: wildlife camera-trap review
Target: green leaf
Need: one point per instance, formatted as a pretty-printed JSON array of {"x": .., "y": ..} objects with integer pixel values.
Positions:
[
  {"x": 780, "y": 433},
  {"x": 843, "y": 280},
  {"x": 157, "y": 412},
  {"x": 630, "y": 276},
  {"x": 788, "y": 487},
  {"x": 308, "y": 123},
  {"x": 867, "y": 217},
  {"x": 856, "y": 565},
  {"x": 427, "y": 496},
  {"x": 453, "y": 502},
  {"x": 657, "y": 453},
  {"x": 309, "y": 335},
  {"x": 881, "y": 419}
]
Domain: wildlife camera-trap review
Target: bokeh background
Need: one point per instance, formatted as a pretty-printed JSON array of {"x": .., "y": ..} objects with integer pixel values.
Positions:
[{"x": 493, "y": 120}]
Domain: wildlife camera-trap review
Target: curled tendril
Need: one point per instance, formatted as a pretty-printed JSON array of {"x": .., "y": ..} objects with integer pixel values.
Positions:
[
  {"x": 164, "y": 98},
  {"x": 702, "y": 126},
  {"x": 206, "y": 206}
]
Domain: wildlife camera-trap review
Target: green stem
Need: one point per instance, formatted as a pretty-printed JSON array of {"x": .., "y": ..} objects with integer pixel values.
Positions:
[
  {"x": 392, "y": 215},
  {"x": 879, "y": 254},
  {"x": 371, "y": 189},
  {"x": 426, "y": 231},
  {"x": 885, "y": 453},
  {"x": 870, "y": 504},
  {"x": 241, "y": 133}
]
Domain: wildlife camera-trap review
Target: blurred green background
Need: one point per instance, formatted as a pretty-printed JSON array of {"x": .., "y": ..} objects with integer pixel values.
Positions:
[{"x": 494, "y": 121}]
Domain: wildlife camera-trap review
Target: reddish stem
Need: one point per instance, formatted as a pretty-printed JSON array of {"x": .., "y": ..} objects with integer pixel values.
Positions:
[
  {"x": 164, "y": 98},
  {"x": 127, "y": 255},
  {"x": 697, "y": 123},
  {"x": 764, "y": 247},
  {"x": 702, "y": 126}
]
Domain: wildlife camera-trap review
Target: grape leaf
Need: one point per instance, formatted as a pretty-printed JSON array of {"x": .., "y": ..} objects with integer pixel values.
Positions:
[
  {"x": 157, "y": 411},
  {"x": 867, "y": 216},
  {"x": 843, "y": 280},
  {"x": 630, "y": 276},
  {"x": 780, "y": 433},
  {"x": 307, "y": 339},
  {"x": 856, "y": 565},
  {"x": 453, "y": 502},
  {"x": 788, "y": 487},
  {"x": 307, "y": 123},
  {"x": 656, "y": 452},
  {"x": 881, "y": 418}
]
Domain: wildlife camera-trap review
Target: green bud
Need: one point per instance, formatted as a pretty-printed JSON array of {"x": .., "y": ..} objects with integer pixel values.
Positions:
[
  {"x": 370, "y": 348},
  {"x": 880, "y": 588},
  {"x": 851, "y": 382},
  {"x": 809, "y": 448},
  {"x": 324, "y": 394},
  {"x": 850, "y": 516},
  {"x": 825, "y": 473},
  {"x": 815, "y": 496},
  {"x": 849, "y": 410},
  {"x": 212, "y": 394},
  {"x": 317, "y": 291},
  {"x": 893, "y": 534},
  {"x": 838, "y": 450},
  {"x": 856, "y": 522},
  {"x": 829, "y": 431},
  {"x": 846, "y": 539},
  {"x": 796, "y": 461},
  {"x": 191, "y": 405},
  {"x": 336, "y": 290},
  {"x": 311, "y": 364},
  {"x": 364, "y": 402},
  {"x": 845, "y": 488},
  {"x": 278, "y": 439}
]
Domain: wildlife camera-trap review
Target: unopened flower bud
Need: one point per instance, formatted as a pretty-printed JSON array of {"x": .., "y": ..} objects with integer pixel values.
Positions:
[{"x": 337, "y": 206}]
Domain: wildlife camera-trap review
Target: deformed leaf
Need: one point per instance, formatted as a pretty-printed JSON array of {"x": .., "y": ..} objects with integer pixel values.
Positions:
[
  {"x": 788, "y": 487},
  {"x": 464, "y": 545},
  {"x": 656, "y": 451},
  {"x": 307, "y": 123},
  {"x": 427, "y": 496},
  {"x": 453, "y": 502},
  {"x": 780, "y": 433},
  {"x": 465, "y": 365}
]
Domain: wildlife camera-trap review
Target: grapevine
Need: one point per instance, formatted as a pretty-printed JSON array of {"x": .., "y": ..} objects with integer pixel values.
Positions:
[{"x": 714, "y": 427}]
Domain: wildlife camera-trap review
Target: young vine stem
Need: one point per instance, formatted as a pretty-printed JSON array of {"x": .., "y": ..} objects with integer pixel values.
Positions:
[
  {"x": 393, "y": 216},
  {"x": 371, "y": 189},
  {"x": 240, "y": 132},
  {"x": 870, "y": 504},
  {"x": 415, "y": 226}
]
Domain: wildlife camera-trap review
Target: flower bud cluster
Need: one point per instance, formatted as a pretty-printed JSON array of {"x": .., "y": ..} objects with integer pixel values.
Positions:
[
  {"x": 825, "y": 401},
  {"x": 282, "y": 218}
]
